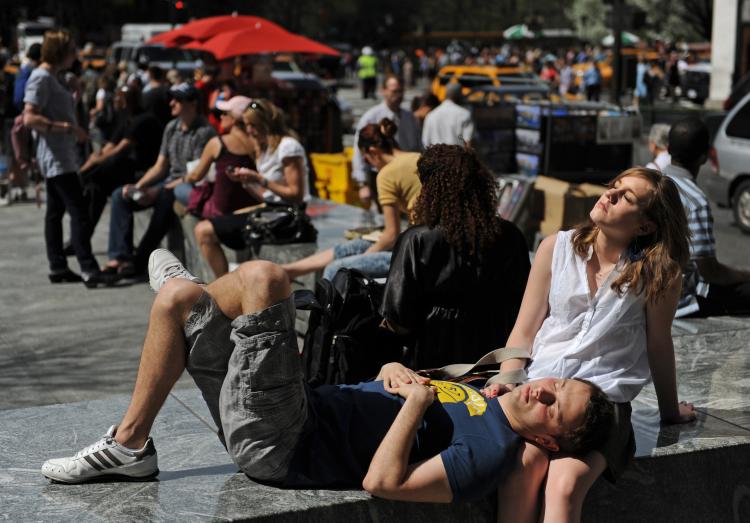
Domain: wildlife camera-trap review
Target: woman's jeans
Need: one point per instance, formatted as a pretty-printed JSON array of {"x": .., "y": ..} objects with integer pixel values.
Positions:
[
  {"x": 182, "y": 193},
  {"x": 352, "y": 256},
  {"x": 64, "y": 193}
]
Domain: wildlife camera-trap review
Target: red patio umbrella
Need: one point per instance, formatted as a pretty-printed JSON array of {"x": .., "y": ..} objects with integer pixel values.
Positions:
[
  {"x": 259, "y": 41},
  {"x": 205, "y": 28}
]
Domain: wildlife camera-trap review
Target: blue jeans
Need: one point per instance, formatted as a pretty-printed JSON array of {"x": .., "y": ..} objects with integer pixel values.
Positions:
[
  {"x": 121, "y": 227},
  {"x": 352, "y": 255},
  {"x": 182, "y": 193}
]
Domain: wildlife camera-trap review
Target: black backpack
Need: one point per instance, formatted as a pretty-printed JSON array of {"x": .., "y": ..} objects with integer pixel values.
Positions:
[{"x": 344, "y": 341}]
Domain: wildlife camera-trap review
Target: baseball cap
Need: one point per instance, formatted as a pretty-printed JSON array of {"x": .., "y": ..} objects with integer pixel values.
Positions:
[
  {"x": 236, "y": 105},
  {"x": 183, "y": 92}
]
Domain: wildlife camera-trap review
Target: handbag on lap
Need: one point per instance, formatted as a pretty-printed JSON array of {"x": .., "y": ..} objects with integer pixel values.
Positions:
[{"x": 278, "y": 224}]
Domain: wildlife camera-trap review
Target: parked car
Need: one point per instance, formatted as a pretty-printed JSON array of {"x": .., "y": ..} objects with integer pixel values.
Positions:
[
  {"x": 471, "y": 77},
  {"x": 739, "y": 90},
  {"x": 730, "y": 158},
  {"x": 184, "y": 60}
]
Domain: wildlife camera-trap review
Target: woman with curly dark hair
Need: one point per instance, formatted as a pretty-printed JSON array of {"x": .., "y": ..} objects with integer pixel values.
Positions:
[{"x": 457, "y": 276}]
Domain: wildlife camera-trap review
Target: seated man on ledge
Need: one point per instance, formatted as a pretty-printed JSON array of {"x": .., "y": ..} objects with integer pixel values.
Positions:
[{"x": 236, "y": 338}]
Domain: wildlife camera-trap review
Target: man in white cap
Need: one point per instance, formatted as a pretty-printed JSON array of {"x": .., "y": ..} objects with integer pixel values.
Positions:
[{"x": 367, "y": 69}]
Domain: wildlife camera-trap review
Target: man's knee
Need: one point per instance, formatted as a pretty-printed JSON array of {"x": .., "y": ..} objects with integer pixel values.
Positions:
[
  {"x": 117, "y": 196},
  {"x": 264, "y": 278},
  {"x": 178, "y": 295}
]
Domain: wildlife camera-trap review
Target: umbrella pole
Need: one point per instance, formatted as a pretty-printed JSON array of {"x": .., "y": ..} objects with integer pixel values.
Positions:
[{"x": 617, "y": 66}]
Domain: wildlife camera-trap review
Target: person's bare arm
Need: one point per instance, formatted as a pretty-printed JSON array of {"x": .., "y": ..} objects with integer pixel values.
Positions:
[
  {"x": 155, "y": 173},
  {"x": 210, "y": 151},
  {"x": 34, "y": 119},
  {"x": 390, "y": 476},
  {"x": 108, "y": 151},
  {"x": 534, "y": 308},
  {"x": 661, "y": 357},
  {"x": 713, "y": 271},
  {"x": 392, "y": 222}
]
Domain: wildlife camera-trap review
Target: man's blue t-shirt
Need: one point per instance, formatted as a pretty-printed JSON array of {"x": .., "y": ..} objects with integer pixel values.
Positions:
[{"x": 348, "y": 422}]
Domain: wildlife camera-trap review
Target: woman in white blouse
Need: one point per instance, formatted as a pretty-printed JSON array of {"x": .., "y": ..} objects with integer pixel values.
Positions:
[
  {"x": 599, "y": 305},
  {"x": 280, "y": 176}
]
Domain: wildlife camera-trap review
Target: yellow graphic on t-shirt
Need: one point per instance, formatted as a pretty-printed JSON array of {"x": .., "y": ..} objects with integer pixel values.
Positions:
[{"x": 448, "y": 392}]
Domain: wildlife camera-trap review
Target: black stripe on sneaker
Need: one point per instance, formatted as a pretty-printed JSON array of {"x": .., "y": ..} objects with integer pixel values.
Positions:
[
  {"x": 93, "y": 463},
  {"x": 104, "y": 462},
  {"x": 112, "y": 457}
]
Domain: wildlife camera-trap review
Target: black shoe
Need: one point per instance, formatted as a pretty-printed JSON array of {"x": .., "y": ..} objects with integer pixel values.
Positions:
[
  {"x": 66, "y": 276},
  {"x": 68, "y": 249},
  {"x": 93, "y": 279}
]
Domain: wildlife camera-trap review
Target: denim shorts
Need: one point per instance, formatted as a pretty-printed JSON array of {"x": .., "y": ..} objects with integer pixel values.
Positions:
[
  {"x": 250, "y": 374},
  {"x": 352, "y": 255}
]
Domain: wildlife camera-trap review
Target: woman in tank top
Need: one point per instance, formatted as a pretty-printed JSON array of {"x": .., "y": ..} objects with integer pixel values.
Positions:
[{"x": 599, "y": 305}]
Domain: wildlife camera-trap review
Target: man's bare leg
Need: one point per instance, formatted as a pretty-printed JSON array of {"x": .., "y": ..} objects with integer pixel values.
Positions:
[
  {"x": 253, "y": 287},
  {"x": 162, "y": 360}
]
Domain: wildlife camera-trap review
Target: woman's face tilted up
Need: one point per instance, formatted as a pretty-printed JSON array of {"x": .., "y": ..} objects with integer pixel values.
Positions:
[{"x": 619, "y": 211}]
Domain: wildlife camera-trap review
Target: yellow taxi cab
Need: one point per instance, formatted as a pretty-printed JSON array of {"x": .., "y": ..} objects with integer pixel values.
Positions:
[{"x": 472, "y": 76}]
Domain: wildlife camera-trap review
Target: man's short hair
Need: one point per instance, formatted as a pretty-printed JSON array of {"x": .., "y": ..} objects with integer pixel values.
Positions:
[
  {"x": 597, "y": 422},
  {"x": 389, "y": 77},
  {"x": 453, "y": 92},
  {"x": 34, "y": 52},
  {"x": 659, "y": 135},
  {"x": 689, "y": 139}
]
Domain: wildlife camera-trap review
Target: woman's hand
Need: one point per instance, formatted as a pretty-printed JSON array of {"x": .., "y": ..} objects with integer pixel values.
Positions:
[
  {"x": 686, "y": 414},
  {"x": 248, "y": 175},
  {"x": 395, "y": 375},
  {"x": 174, "y": 183},
  {"x": 496, "y": 389}
]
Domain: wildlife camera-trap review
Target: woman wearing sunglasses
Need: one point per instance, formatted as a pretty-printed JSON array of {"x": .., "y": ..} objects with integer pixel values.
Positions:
[{"x": 280, "y": 176}]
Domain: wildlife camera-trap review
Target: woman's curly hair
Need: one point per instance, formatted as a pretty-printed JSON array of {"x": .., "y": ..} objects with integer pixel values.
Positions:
[{"x": 459, "y": 195}]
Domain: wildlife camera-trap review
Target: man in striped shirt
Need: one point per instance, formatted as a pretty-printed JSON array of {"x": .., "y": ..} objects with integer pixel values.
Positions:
[{"x": 709, "y": 287}]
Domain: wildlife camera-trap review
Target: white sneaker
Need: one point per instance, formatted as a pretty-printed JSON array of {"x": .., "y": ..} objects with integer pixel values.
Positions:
[
  {"x": 104, "y": 458},
  {"x": 163, "y": 266}
]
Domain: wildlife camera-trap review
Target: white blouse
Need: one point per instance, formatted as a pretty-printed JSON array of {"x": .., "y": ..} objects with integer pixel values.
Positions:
[
  {"x": 601, "y": 339},
  {"x": 270, "y": 165}
]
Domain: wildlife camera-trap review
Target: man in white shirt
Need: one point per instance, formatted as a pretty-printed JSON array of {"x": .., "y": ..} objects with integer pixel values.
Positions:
[
  {"x": 658, "y": 139},
  {"x": 449, "y": 123},
  {"x": 408, "y": 136}
]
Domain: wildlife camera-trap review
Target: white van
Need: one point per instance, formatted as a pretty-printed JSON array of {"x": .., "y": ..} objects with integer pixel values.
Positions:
[{"x": 730, "y": 159}]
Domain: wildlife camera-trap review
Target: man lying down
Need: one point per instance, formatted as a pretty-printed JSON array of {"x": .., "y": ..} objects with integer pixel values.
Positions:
[{"x": 400, "y": 437}]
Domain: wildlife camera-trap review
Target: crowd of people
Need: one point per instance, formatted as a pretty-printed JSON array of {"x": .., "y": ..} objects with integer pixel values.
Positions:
[
  {"x": 589, "y": 321},
  {"x": 572, "y": 71},
  {"x": 144, "y": 142}
]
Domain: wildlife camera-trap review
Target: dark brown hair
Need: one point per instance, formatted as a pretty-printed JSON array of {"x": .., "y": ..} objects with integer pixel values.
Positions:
[
  {"x": 56, "y": 46},
  {"x": 597, "y": 420},
  {"x": 655, "y": 260},
  {"x": 380, "y": 135},
  {"x": 459, "y": 195}
]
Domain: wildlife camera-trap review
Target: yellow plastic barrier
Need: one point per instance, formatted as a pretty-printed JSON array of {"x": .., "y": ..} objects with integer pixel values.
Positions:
[{"x": 333, "y": 177}]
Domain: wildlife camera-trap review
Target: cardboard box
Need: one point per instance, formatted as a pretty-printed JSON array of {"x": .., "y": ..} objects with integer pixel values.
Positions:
[{"x": 565, "y": 204}]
